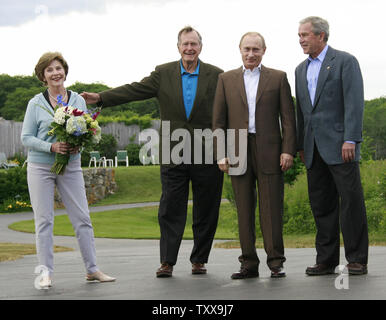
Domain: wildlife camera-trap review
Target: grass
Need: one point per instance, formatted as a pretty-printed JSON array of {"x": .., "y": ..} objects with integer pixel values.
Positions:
[
  {"x": 135, "y": 223},
  {"x": 13, "y": 251},
  {"x": 135, "y": 184},
  {"x": 142, "y": 184},
  {"x": 301, "y": 241},
  {"x": 142, "y": 223}
]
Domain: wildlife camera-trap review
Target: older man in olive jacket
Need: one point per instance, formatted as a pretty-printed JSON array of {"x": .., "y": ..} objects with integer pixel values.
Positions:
[{"x": 185, "y": 90}]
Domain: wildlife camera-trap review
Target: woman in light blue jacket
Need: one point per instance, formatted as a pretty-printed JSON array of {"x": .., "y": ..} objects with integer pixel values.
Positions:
[{"x": 52, "y": 70}]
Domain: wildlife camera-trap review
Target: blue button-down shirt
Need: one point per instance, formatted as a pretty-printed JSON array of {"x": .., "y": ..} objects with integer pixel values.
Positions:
[
  {"x": 189, "y": 87},
  {"x": 313, "y": 70}
]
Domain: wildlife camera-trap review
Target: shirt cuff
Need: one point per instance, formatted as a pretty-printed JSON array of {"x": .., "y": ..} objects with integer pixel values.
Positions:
[
  {"x": 352, "y": 142},
  {"x": 222, "y": 161}
]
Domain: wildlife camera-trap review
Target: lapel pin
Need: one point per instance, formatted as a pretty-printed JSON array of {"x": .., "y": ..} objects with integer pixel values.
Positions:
[{"x": 328, "y": 68}]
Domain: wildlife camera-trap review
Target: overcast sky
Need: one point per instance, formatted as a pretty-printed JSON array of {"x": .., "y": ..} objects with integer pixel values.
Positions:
[{"x": 117, "y": 42}]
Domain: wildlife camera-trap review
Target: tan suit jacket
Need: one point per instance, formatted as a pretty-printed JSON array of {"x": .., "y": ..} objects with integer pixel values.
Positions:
[
  {"x": 275, "y": 115},
  {"x": 275, "y": 134}
]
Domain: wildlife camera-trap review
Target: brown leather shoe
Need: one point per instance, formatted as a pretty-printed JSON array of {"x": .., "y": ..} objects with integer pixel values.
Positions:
[
  {"x": 165, "y": 270},
  {"x": 198, "y": 268},
  {"x": 320, "y": 269},
  {"x": 356, "y": 268},
  {"x": 245, "y": 274}
]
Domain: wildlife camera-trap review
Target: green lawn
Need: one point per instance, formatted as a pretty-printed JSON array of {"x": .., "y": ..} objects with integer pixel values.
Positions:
[
  {"x": 142, "y": 184},
  {"x": 142, "y": 223},
  {"x": 136, "y": 223},
  {"x": 135, "y": 184}
]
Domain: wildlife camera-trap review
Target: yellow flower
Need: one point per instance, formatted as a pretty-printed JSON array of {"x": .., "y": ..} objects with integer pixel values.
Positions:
[
  {"x": 94, "y": 125},
  {"x": 88, "y": 118}
]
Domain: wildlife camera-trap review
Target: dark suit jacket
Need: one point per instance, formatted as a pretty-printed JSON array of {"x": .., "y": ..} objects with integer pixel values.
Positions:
[
  {"x": 275, "y": 114},
  {"x": 337, "y": 113},
  {"x": 165, "y": 83}
]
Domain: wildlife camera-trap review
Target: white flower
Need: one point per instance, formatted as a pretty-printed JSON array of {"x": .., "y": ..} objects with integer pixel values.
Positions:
[
  {"x": 76, "y": 125},
  {"x": 97, "y": 136},
  {"x": 60, "y": 116},
  {"x": 70, "y": 109}
]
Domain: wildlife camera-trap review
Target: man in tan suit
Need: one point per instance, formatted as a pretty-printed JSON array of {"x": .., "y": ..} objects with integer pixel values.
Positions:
[{"x": 258, "y": 99}]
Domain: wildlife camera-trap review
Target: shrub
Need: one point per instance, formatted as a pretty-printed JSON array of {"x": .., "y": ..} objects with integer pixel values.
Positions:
[
  {"x": 298, "y": 218},
  {"x": 131, "y": 118},
  {"x": 133, "y": 154},
  {"x": 18, "y": 158},
  {"x": 107, "y": 147},
  {"x": 291, "y": 174},
  {"x": 13, "y": 205},
  {"x": 13, "y": 185}
]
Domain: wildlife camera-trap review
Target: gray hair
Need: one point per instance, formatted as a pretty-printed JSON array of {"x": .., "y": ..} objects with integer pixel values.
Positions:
[
  {"x": 186, "y": 30},
  {"x": 319, "y": 25}
]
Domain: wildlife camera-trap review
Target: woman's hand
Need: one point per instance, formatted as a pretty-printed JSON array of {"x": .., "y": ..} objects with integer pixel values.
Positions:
[
  {"x": 74, "y": 150},
  {"x": 63, "y": 148}
]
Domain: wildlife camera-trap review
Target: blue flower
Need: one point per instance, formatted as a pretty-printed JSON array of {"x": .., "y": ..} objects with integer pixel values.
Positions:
[{"x": 60, "y": 101}]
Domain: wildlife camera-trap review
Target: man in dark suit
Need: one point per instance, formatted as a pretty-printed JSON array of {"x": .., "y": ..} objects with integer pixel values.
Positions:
[
  {"x": 258, "y": 99},
  {"x": 185, "y": 90},
  {"x": 330, "y": 102}
]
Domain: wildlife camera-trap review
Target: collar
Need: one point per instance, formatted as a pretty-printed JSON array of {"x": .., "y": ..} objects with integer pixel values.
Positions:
[
  {"x": 196, "y": 72},
  {"x": 321, "y": 55},
  {"x": 255, "y": 70}
]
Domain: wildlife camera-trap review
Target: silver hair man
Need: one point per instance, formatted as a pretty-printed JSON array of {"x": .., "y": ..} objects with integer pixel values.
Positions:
[{"x": 319, "y": 25}]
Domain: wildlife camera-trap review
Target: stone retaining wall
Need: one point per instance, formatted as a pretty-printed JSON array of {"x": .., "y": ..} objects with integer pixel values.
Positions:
[{"x": 99, "y": 182}]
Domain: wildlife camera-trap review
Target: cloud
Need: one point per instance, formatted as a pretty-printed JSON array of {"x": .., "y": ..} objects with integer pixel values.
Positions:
[
  {"x": 14, "y": 13},
  {"x": 17, "y": 12}
]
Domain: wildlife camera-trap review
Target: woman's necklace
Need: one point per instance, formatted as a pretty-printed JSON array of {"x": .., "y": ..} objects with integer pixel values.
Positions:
[{"x": 55, "y": 99}]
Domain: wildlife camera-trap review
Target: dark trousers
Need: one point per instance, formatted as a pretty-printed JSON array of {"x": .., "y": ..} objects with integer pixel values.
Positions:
[
  {"x": 207, "y": 183},
  {"x": 336, "y": 197},
  {"x": 271, "y": 192}
]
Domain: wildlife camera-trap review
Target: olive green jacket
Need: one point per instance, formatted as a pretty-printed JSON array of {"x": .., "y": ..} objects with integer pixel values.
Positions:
[{"x": 165, "y": 83}]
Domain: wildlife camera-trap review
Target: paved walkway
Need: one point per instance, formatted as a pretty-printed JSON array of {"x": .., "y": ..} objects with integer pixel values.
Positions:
[{"x": 134, "y": 262}]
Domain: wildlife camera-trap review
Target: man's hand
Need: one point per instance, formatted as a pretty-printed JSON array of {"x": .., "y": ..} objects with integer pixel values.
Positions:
[
  {"x": 286, "y": 161},
  {"x": 301, "y": 155},
  {"x": 348, "y": 152},
  {"x": 90, "y": 97},
  {"x": 223, "y": 164}
]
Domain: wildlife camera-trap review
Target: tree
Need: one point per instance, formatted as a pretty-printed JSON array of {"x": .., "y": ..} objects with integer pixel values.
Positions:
[
  {"x": 79, "y": 87},
  {"x": 8, "y": 84},
  {"x": 374, "y": 124},
  {"x": 17, "y": 101}
]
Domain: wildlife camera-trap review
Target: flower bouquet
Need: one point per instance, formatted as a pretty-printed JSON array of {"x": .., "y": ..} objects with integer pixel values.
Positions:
[{"x": 76, "y": 127}]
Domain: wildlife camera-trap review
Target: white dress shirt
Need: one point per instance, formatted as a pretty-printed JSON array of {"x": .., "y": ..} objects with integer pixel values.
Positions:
[{"x": 251, "y": 82}]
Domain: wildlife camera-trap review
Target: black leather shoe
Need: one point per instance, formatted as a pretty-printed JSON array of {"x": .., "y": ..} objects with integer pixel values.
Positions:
[
  {"x": 245, "y": 274},
  {"x": 320, "y": 270},
  {"x": 356, "y": 268},
  {"x": 165, "y": 271},
  {"x": 277, "y": 272}
]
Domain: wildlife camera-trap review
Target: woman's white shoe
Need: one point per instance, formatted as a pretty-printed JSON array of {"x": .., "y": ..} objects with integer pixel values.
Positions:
[
  {"x": 99, "y": 276},
  {"x": 45, "y": 282}
]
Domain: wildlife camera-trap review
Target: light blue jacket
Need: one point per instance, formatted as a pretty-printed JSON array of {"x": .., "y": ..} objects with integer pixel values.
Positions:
[{"x": 36, "y": 125}]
